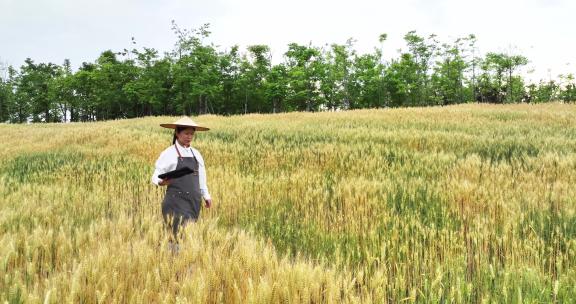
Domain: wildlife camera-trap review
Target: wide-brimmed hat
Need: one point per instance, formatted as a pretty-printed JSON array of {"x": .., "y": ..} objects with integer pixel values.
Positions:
[{"x": 184, "y": 122}]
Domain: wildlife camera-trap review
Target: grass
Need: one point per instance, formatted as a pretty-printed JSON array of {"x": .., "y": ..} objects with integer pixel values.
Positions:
[{"x": 460, "y": 204}]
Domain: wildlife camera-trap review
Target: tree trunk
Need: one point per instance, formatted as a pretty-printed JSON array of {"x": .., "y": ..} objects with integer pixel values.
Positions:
[
  {"x": 245, "y": 101},
  {"x": 510, "y": 85},
  {"x": 63, "y": 109},
  {"x": 20, "y": 114},
  {"x": 473, "y": 77},
  {"x": 47, "y": 113}
]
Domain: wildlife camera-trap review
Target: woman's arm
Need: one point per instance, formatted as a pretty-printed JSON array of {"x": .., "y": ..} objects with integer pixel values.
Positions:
[
  {"x": 162, "y": 165},
  {"x": 202, "y": 177}
]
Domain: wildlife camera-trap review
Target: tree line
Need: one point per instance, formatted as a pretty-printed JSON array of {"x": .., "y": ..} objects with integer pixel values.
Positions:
[{"x": 197, "y": 78}]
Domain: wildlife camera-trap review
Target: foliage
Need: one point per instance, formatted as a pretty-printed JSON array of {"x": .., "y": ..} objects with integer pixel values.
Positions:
[{"x": 196, "y": 77}]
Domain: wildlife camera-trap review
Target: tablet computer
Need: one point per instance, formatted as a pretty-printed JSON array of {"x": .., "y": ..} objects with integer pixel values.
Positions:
[{"x": 176, "y": 173}]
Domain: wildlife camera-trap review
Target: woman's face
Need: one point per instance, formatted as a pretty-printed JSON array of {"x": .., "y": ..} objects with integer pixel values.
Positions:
[{"x": 185, "y": 136}]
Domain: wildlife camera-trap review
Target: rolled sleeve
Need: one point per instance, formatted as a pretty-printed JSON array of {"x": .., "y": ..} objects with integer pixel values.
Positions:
[
  {"x": 202, "y": 176},
  {"x": 155, "y": 180},
  {"x": 161, "y": 166}
]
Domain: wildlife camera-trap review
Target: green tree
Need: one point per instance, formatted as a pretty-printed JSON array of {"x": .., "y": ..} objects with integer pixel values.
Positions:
[
  {"x": 516, "y": 89},
  {"x": 34, "y": 88},
  {"x": 491, "y": 79},
  {"x": 85, "y": 88},
  {"x": 20, "y": 105},
  {"x": 62, "y": 91},
  {"x": 149, "y": 91},
  {"x": 383, "y": 94},
  {"x": 545, "y": 91},
  {"x": 448, "y": 77},
  {"x": 367, "y": 75},
  {"x": 515, "y": 86},
  {"x": 422, "y": 51},
  {"x": 304, "y": 65},
  {"x": 111, "y": 76},
  {"x": 196, "y": 70},
  {"x": 330, "y": 90},
  {"x": 6, "y": 97},
  {"x": 254, "y": 72},
  {"x": 197, "y": 78},
  {"x": 340, "y": 71},
  {"x": 401, "y": 81},
  {"x": 276, "y": 87},
  {"x": 569, "y": 91},
  {"x": 229, "y": 70},
  {"x": 471, "y": 39},
  {"x": 497, "y": 88}
]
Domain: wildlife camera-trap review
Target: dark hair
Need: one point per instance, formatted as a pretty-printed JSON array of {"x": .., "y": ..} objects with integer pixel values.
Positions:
[{"x": 178, "y": 130}]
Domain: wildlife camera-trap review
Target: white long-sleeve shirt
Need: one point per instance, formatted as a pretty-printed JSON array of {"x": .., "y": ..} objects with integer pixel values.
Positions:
[{"x": 168, "y": 161}]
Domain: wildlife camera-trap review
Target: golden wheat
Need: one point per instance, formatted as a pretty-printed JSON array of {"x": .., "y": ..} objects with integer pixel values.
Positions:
[{"x": 459, "y": 204}]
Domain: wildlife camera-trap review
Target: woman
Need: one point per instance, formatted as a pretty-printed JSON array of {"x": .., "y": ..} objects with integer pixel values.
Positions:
[{"x": 184, "y": 194}]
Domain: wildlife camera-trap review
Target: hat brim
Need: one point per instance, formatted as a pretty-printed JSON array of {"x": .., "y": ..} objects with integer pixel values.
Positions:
[{"x": 173, "y": 126}]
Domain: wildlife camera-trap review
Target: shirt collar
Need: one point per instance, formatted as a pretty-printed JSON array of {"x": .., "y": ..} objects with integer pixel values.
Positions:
[{"x": 181, "y": 146}]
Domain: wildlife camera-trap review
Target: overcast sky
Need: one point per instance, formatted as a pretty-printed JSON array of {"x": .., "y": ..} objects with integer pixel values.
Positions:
[{"x": 52, "y": 30}]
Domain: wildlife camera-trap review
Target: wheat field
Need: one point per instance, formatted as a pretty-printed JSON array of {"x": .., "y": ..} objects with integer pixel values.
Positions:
[{"x": 460, "y": 204}]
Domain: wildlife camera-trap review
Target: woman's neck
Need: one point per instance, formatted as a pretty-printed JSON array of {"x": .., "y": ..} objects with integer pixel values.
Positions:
[{"x": 180, "y": 143}]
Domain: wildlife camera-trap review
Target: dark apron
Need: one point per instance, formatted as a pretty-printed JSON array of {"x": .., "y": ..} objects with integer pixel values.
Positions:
[{"x": 183, "y": 197}]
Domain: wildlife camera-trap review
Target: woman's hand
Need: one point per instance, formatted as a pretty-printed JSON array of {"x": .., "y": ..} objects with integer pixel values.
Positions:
[
  {"x": 164, "y": 182},
  {"x": 208, "y": 202}
]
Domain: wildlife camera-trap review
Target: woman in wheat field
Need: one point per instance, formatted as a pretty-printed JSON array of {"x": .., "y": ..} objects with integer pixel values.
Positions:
[{"x": 182, "y": 201}]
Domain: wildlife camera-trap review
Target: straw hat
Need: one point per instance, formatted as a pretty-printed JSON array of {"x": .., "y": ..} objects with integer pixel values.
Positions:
[{"x": 184, "y": 122}]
